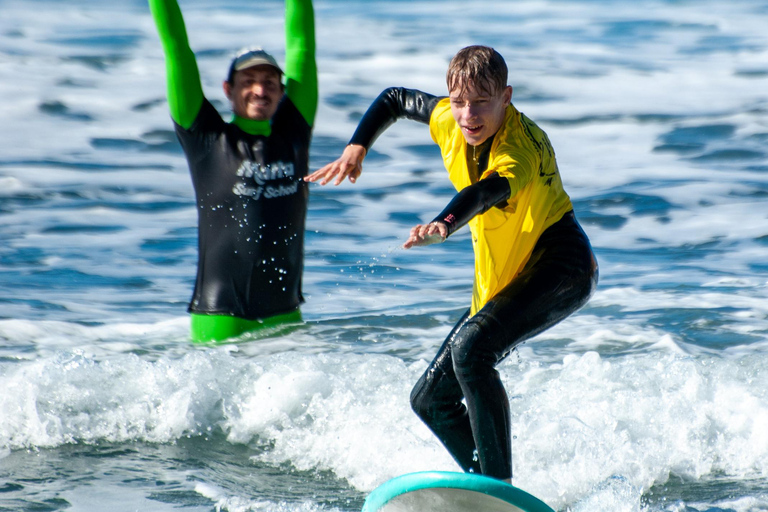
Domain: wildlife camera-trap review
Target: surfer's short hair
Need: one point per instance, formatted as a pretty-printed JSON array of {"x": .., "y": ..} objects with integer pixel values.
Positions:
[{"x": 481, "y": 66}]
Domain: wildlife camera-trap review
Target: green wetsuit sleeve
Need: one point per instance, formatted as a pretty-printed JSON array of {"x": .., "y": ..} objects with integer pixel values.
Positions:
[
  {"x": 300, "y": 65},
  {"x": 185, "y": 92}
]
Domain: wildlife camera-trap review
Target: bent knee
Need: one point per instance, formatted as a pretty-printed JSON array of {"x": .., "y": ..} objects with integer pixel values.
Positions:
[
  {"x": 473, "y": 351},
  {"x": 422, "y": 397},
  {"x": 434, "y": 394}
]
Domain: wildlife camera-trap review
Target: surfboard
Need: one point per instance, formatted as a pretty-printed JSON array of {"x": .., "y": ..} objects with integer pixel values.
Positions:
[{"x": 442, "y": 491}]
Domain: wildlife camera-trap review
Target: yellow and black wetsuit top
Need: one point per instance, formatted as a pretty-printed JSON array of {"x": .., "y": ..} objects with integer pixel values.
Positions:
[
  {"x": 508, "y": 197},
  {"x": 247, "y": 175},
  {"x": 503, "y": 238}
]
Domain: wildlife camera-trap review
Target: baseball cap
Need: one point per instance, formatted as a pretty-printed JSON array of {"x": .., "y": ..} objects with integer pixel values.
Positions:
[{"x": 249, "y": 57}]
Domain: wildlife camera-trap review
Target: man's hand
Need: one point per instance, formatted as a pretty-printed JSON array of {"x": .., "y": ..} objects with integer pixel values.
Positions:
[
  {"x": 349, "y": 165},
  {"x": 427, "y": 234}
]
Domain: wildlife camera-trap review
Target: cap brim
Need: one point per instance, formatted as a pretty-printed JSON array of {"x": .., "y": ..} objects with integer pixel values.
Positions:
[{"x": 257, "y": 61}]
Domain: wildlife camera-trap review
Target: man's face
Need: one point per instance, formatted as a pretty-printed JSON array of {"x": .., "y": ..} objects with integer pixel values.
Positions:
[
  {"x": 255, "y": 92},
  {"x": 478, "y": 113}
]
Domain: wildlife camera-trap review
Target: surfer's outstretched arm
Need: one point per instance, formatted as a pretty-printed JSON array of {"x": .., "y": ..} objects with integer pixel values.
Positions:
[
  {"x": 185, "y": 92},
  {"x": 474, "y": 200},
  {"x": 392, "y": 104}
]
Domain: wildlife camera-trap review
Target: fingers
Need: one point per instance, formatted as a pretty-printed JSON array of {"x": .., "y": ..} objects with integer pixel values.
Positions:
[
  {"x": 437, "y": 228},
  {"x": 349, "y": 165},
  {"x": 413, "y": 240},
  {"x": 326, "y": 170},
  {"x": 412, "y": 237},
  {"x": 431, "y": 229},
  {"x": 345, "y": 170},
  {"x": 354, "y": 173},
  {"x": 426, "y": 234},
  {"x": 338, "y": 170}
]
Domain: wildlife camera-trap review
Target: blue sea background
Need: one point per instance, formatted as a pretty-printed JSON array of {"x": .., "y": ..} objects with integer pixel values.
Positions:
[{"x": 653, "y": 397}]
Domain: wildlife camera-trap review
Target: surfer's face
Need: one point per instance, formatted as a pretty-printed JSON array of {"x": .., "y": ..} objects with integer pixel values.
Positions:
[
  {"x": 255, "y": 92},
  {"x": 478, "y": 113}
]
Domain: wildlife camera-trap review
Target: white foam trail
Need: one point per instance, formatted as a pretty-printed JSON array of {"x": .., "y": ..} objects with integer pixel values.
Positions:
[
  {"x": 641, "y": 418},
  {"x": 228, "y": 503},
  {"x": 579, "y": 423}
]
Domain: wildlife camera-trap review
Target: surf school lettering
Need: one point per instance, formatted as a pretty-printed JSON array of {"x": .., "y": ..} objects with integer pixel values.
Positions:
[
  {"x": 266, "y": 192},
  {"x": 261, "y": 175}
]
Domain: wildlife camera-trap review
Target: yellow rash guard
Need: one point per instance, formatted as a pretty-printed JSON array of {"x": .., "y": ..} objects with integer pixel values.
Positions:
[{"x": 503, "y": 238}]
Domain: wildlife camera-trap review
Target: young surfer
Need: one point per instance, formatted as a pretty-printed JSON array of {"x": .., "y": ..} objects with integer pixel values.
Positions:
[
  {"x": 533, "y": 263},
  {"x": 247, "y": 174}
]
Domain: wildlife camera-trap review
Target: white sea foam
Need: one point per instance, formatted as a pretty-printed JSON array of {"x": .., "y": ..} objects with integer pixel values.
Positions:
[
  {"x": 578, "y": 424},
  {"x": 225, "y": 502}
]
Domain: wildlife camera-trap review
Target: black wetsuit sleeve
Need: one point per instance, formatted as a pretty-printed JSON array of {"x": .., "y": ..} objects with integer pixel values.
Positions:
[
  {"x": 475, "y": 199},
  {"x": 393, "y": 104}
]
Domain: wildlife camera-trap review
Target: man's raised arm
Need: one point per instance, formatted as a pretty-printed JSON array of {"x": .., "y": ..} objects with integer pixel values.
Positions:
[
  {"x": 185, "y": 92},
  {"x": 300, "y": 64}
]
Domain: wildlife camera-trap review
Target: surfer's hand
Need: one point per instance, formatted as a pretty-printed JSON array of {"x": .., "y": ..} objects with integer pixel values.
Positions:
[
  {"x": 349, "y": 165},
  {"x": 426, "y": 234}
]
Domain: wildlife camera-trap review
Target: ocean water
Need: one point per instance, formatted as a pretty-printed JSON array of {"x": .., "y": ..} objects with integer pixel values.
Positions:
[{"x": 653, "y": 397}]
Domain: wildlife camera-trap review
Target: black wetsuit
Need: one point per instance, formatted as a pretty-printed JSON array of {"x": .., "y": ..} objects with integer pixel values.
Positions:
[
  {"x": 251, "y": 205},
  {"x": 460, "y": 396}
]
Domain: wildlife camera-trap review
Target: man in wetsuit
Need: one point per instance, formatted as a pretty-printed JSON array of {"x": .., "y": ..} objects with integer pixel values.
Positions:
[
  {"x": 247, "y": 174},
  {"x": 533, "y": 263}
]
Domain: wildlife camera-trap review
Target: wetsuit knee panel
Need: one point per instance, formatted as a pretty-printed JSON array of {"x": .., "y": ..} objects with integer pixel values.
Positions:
[
  {"x": 436, "y": 395},
  {"x": 421, "y": 397},
  {"x": 425, "y": 395},
  {"x": 474, "y": 348}
]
